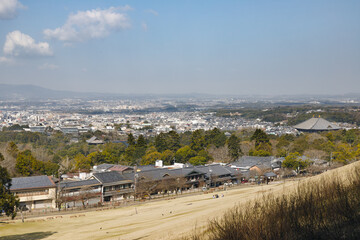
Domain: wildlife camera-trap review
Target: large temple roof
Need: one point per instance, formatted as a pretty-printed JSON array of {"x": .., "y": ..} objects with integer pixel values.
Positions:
[{"x": 316, "y": 124}]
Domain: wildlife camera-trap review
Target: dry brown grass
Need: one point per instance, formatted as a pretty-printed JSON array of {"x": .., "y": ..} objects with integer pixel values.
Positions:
[{"x": 323, "y": 207}]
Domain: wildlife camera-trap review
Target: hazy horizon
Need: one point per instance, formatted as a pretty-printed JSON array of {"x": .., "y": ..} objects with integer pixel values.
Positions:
[{"x": 208, "y": 47}]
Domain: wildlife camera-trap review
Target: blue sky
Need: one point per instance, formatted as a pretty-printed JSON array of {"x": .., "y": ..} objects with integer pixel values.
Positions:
[{"x": 217, "y": 47}]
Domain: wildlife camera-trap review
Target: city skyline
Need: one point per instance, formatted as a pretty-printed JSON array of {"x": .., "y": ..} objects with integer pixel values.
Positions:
[{"x": 155, "y": 47}]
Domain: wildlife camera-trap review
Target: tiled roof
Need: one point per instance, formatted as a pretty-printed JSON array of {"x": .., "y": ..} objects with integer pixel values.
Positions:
[
  {"x": 250, "y": 161},
  {"x": 32, "y": 182},
  {"x": 110, "y": 177},
  {"x": 145, "y": 167},
  {"x": 214, "y": 170},
  {"x": 155, "y": 174},
  {"x": 73, "y": 184},
  {"x": 161, "y": 173},
  {"x": 317, "y": 124},
  {"x": 120, "y": 168},
  {"x": 183, "y": 172}
]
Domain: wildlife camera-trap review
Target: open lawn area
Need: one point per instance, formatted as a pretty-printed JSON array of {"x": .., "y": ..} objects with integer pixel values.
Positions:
[{"x": 166, "y": 219}]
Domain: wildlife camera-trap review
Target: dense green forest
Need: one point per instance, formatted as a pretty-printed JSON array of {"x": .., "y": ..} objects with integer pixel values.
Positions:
[{"x": 27, "y": 153}]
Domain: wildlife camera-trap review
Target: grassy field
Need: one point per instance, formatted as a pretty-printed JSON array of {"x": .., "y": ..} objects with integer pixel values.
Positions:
[
  {"x": 167, "y": 219},
  {"x": 323, "y": 207}
]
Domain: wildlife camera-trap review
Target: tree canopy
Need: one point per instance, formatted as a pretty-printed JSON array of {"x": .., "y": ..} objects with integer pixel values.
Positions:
[
  {"x": 295, "y": 162},
  {"x": 8, "y": 202},
  {"x": 234, "y": 147}
]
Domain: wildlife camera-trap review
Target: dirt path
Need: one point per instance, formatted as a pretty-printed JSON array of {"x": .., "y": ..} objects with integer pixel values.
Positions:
[{"x": 166, "y": 219}]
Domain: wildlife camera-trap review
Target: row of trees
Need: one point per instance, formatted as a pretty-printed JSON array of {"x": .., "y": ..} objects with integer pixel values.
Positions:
[
  {"x": 198, "y": 147},
  {"x": 27, "y": 165}
]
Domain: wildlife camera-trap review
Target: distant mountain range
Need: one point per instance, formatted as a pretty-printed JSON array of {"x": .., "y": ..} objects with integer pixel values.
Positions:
[
  {"x": 12, "y": 92},
  {"x": 31, "y": 92},
  {"x": 19, "y": 92}
]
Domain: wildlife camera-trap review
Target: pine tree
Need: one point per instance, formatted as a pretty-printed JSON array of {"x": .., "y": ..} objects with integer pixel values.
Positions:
[
  {"x": 173, "y": 141},
  {"x": 8, "y": 202},
  {"x": 131, "y": 140},
  {"x": 160, "y": 142},
  {"x": 234, "y": 147},
  {"x": 197, "y": 141},
  {"x": 260, "y": 137},
  {"x": 141, "y": 142}
]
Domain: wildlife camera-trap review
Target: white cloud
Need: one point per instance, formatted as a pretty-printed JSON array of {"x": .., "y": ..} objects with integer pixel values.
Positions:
[
  {"x": 20, "y": 44},
  {"x": 155, "y": 13},
  {"x": 48, "y": 66},
  {"x": 6, "y": 60},
  {"x": 8, "y": 8},
  {"x": 90, "y": 24}
]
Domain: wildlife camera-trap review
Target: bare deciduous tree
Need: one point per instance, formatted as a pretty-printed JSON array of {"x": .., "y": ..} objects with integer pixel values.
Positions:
[
  {"x": 145, "y": 187},
  {"x": 220, "y": 154}
]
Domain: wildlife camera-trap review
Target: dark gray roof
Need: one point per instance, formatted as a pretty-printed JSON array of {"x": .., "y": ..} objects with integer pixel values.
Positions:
[
  {"x": 214, "y": 170},
  {"x": 155, "y": 174},
  {"x": 32, "y": 182},
  {"x": 184, "y": 172},
  {"x": 316, "y": 124},
  {"x": 270, "y": 174},
  {"x": 161, "y": 173},
  {"x": 233, "y": 171},
  {"x": 250, "y": 161},
  {"x": 146, "y": 167},
  {"x": 82, "y": 183},
  {"x": 110, "y": 177}
]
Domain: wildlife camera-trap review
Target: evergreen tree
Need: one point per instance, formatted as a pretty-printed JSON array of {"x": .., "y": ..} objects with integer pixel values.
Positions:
[
  {"x": 173, "y": 141},
  {"x": 260, "y": 137},
  {"x": 160, "y": 142},
  {"x": 8, "y": 202},
  {"x": 234, "y": 147},
  {"x": 215, "y": 137},
  {"x": 198, "y": 160},
  {"x": 197, "y": 141},
  {"x": 24, "y": 163},
  {"x": 131, "y": 140},
  {"x": 129, "y": 155},
  {"x": 167, "y": 156},
  {"x": 141, "y": 142},
  {"x": 262, "y": 143},
  {"x": 184, "y": 154}
]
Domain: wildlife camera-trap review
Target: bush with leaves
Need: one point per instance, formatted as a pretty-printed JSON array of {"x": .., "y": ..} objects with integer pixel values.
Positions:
[{"x": 295, "y": 162}]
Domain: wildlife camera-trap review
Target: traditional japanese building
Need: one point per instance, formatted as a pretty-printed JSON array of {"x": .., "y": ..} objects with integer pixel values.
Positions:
[
  {"x": 35, "y": 192},
  {"x": 316, "y": 125}
]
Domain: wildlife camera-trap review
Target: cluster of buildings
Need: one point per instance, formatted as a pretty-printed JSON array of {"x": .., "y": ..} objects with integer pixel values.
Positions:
[
  {"x": 148, "y": 124},
  {"x": 109, "y": 183}
]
